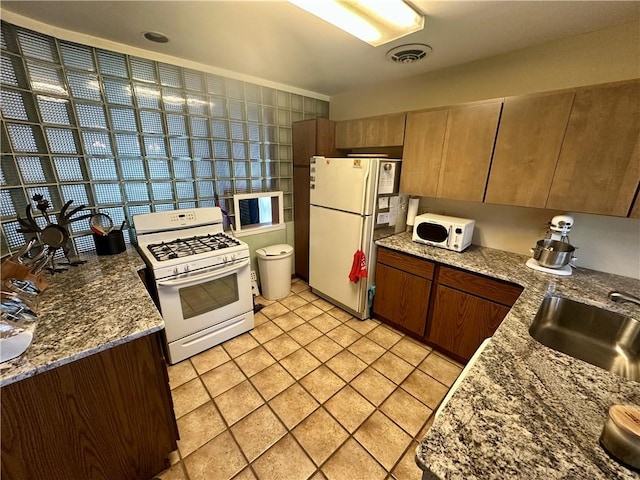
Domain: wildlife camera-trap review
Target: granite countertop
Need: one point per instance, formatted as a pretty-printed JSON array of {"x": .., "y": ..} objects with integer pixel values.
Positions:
[
  {"x": 85, "y": 310},
  {"x": 526, "y": 411}
]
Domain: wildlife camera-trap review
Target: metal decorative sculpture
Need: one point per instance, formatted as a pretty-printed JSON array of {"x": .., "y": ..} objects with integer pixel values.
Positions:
[{"x": 54, "y": 235}]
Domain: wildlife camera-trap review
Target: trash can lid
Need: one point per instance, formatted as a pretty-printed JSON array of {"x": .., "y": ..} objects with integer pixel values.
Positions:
[{"x": 275, "y": 250}]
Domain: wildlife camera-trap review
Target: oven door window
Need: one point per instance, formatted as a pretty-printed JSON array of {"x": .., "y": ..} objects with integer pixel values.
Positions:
[{"x": 208, "y": 296}]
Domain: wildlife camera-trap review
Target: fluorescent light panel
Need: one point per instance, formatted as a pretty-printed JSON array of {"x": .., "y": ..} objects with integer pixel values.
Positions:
[{"x": 375, "y": 21}]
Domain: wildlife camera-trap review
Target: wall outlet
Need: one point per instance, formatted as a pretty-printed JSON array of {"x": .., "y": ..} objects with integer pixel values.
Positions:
[{"x": 254, "y": 284}]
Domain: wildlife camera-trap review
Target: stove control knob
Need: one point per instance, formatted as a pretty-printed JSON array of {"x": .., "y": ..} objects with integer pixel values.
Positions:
[
  {"x": 175, "y": 271},
  {"x": 225, "y": 259},
  {"x": 186, "y": 268},
  {"x": 233, "y": 257}
]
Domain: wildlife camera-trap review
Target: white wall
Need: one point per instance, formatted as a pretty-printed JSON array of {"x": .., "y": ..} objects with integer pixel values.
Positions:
[{"x": 608, "y": 244}]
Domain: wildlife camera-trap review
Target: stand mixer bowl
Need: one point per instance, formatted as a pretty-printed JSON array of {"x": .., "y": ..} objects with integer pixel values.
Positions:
[{"x": 553, "y": 253}]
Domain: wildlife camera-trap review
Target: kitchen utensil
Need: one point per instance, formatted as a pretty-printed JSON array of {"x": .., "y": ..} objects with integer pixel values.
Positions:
[
  {"x": 39, "y": 266},
  {"x": 621, "y": 435},
  {"x": 25, "y": 288},
  {"x": 31, "y": 261},
  {"x": 101, "y": 224},
  {"x": 110, "y": 244},
  {"x": 553, "y": 253},
  {"x": 18, "y": 257},
  {"x": 16, "y": 309}
]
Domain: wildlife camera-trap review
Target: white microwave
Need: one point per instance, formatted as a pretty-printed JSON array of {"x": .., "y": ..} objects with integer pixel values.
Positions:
[{"x": 443, "y": 231}]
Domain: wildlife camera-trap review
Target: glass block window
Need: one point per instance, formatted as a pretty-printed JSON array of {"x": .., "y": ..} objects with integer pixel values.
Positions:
[{"x": 127, "y": 135}]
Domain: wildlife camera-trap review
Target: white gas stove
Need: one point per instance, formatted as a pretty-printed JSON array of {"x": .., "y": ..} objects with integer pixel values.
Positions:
[{"x": 202, "y": 277}]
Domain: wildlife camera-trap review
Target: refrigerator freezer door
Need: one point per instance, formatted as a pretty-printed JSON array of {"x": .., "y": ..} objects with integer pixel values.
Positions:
[
  {"x": 334, "y": 237},
  {"x": 344, "y": 183}
]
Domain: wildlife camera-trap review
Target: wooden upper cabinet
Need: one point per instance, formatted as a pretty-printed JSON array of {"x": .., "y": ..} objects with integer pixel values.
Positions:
[
  {"x": 527, "y": 149},
  {"x": 599, "y": 166},
  {"x": 422, "y": 154},
  {"x": 312, "y": 137},
  {"x": 635, "y": 210},
  {"x": 468, "y": 146},
  {"x": 304, "y": 141},
  {"x": 384, "y": 131}
]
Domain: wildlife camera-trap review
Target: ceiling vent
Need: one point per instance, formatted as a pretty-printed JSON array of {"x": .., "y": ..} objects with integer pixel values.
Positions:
[{"x": 410, "y": 53}]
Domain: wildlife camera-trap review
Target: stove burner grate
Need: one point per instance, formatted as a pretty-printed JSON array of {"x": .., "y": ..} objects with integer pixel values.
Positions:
[{"x": 185, "y": 247}]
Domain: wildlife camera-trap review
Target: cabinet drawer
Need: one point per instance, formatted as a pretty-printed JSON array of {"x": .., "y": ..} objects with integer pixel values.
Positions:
[
  {"x": 406, "y": 263},
  {"x": 493, "y": 290}
]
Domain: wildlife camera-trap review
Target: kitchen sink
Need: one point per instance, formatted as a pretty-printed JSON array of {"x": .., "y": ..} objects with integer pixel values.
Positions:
[{"x": 602, "y": 338}]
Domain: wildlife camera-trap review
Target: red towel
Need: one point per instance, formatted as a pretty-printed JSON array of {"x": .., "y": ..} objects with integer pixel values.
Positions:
[{"x": 359, "y": 267}]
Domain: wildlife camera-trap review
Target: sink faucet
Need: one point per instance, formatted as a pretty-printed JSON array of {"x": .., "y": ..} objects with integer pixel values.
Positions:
[{"x": 621, "y": 297}]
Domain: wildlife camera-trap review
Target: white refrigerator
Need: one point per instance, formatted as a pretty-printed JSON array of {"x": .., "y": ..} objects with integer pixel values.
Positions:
[{"x": 349, "y": 199}]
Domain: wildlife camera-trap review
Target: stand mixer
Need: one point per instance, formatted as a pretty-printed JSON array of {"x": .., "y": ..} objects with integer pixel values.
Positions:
[{"x": 553, "y": 253}]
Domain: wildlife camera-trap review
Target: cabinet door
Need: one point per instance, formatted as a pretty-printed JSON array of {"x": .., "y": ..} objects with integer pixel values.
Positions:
[
  {"x": 599, "y": 166},
  {"x": 422, "y": 154},
  {"x": 313, "y": 137},
  {"x": 301, "y": 220},
  {"x": 460, "y": 322},
  {"x": 310, "y": 137},
  {"x": 350, "y": 133},
  {"x": 304, "y": 141},
  {"x": 325, "y": 138},
  {"x": 384, "y": 131},
  {"x": 468, "y": 146},
  {"x": 401, "y": 298},
  {"x": 527, "y": 149},
  {"x": 635, "y": 211},
  {"x": 108, "y": 415}
]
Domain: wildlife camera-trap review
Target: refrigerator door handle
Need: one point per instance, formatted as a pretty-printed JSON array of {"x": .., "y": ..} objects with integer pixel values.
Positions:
[{"x": 364, "y": 200}]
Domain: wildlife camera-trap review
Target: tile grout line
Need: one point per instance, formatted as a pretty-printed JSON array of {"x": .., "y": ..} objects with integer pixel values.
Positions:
[{"x": 322, "y": 363}]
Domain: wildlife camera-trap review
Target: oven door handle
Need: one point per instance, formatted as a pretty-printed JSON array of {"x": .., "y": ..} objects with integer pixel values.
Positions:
[{"x": 238, "y": 264}]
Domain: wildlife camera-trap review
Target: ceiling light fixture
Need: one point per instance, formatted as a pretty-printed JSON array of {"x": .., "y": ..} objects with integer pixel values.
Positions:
[
  {"x": 375, "y": 21},
  {"x": 156, "y": 37}
]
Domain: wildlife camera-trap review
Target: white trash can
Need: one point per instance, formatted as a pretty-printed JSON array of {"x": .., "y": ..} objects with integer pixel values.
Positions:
[{"x": 274, "y": 263}]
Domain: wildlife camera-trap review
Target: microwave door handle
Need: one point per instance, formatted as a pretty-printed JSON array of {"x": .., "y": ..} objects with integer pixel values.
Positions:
[
  {"x": 194, "y": 278},
  {"x": 449, "y": 237}
]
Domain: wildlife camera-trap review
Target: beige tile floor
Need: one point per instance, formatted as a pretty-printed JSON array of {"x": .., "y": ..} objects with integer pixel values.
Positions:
[{"x": 309, "y": 393}]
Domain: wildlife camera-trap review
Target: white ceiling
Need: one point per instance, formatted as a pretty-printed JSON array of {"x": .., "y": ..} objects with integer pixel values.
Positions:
[{"x": 276, "y": 41}]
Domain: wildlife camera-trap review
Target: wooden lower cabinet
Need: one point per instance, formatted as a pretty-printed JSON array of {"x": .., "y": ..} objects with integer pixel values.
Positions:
[
  {"x": 108, "y": 415},
  {"x": 460, "y": 322},
  {"x": 450, "y": 309},
  {"x": 402, "y": 298}
]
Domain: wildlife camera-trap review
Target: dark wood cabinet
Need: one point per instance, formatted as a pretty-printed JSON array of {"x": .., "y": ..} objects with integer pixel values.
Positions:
[
  {"x": 310, "y": 137},
  {"x": 467, "y": 308},
  {"x": 403, "y": 288},
  {"x": 450, "y": 309},
  {"x": 108, "y": 415},
  {"x": 460, "y": 322}
]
